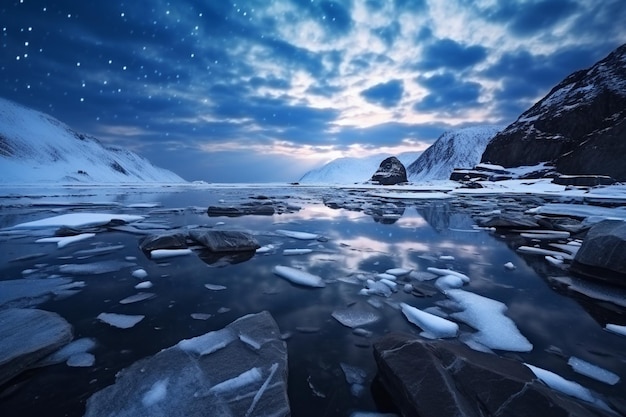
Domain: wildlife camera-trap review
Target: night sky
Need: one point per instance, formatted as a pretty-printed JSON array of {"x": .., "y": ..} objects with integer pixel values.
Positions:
[{"x": 257, "y": 91}]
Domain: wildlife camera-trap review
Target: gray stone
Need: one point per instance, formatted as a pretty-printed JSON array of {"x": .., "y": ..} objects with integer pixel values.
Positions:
[
  {"x": 240, "y": 370},
  {"x": 163, "y": 241},
  {"x": 442, "y": 378},
  {"x": 390, "y": 172},
  {"x": 28, "y": 335},
  {"x": 225, "y": 240},
  {"x": 508, "y": 221},
  {"x": 602, "y": 254}
]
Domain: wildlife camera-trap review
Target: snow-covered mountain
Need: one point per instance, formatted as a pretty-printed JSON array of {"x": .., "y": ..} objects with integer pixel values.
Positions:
[
  {"x": 351, "y": 170},
  {"x": 580, "y": 126},
  {"x": 454, "y": 149},
  {"x": 37, "y": 148}
]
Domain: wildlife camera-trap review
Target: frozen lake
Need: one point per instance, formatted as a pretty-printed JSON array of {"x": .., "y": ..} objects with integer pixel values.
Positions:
[{"x": 346, "y": 237}]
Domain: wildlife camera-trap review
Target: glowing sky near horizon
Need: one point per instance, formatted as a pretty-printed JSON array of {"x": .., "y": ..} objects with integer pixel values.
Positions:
[{"x": 265, "y": 90}]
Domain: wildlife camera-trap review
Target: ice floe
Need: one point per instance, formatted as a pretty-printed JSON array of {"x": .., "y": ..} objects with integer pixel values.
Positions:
[
  {"x": 495, "y": 329},
  {"x": 169, "y": 253},
  {"x": 355, "y": 317},
  {"x": 509, "y": 266},
  {"x": 63, "y": 241},
  {"x": 616, "y": 328},
  {"x": 94, "y": 268},
  {"x": 142, "y": 296},
  {"x": 298, "y": 235},
  {"x": 122, "y": 321},
  {"x": 214, "y": 287},
  {"x": 355, "y": 377},
  {"x": 297, "y": 251},
  {"x": 139, "y": 273},
  {"x": 78, "y": 347},
  {"x": 398, "y": 272},
  {"x": 298, "y": 276},
  {"x": 593, "y": 371},
  {"x": 78, "y": 220},
  {"x": 144, "y": 285},
  {"x": 448, "y": 282},
  {"x": 443, "y": 272},
  {"x": 433, "y": 327}
]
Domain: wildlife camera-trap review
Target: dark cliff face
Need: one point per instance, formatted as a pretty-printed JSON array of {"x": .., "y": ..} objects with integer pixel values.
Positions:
[
  {"x": 390, "y": 172},
  {"x": 579, "y": 125}
]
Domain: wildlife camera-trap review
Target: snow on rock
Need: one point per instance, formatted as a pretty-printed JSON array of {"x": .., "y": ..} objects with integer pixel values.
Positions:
[
  {"x": 460, "y": 148},
  {"x": 290, "y": 252},
  {"x": 78, "y": 220},
  {"x": 433, "y": 326},
  {"x": 121, "y": 321},
  {"x": 36, "y": 148},
  {"x": 299, "y": 277},
  {"x": 495, "y": 330},
  {"x": 444, "y": 272},
  {"x": 593, "y": 371},
  {"x": 194, "y": 379},
  {"x": 27, "y": 336}
]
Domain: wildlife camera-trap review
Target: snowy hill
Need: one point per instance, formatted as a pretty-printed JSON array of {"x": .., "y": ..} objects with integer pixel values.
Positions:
[
  {"x": 35, "y": 148},
  {"x": 453, "y": 149},
  {"x": 351, "y": 170},
  {"x": 579, "y": 126}
]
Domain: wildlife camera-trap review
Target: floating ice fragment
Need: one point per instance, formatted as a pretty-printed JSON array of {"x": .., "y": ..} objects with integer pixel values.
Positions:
[
  {"x": 143, "y": 285},
  {"x": 355, "y": 377},
  {"x": 140, "y": 273},
  {"x": 297, "y": 235},
  {"x": 77, "y": 220},
  {"x": 446, "y": 258},
  {"x": 81, "y": 360},
  {"x": 250, "y": 341},
  {"x": 29, "y": 292},
  {"x": 168, "y": 253},
  {"x": 63, "y": 241},
  {"x": 433, "y": 327},
  {"x": 200, "y": 316},
  {"x": 615, "y": 328},
  {"x": 353, "y": 317},
  {"x": 539, "y": 251},
  {"x": 157, "y": 393},
  {"x": 95, "y": 268},
  {"x": 546, "y": 235},
  {"x": 495, "y": 330},
  {"x": 362, "y": 332},
  {"x": 246, "y": 378},
  {"x": 122, "y": 321},
  {"x": 142, "y": 296},
  {"x": 571, "y": 388},
  {"x": 398, "y": 272},
  {"x": 386, "y": 276},
  {"x": 443, "y": 272},
  {"x": 299, "y": 277},
  {"x": 222, "y": 310},
  {"x": 76, "y": 347},
  {"x": 376, "y": 288},
  {"x": 509, "y": 266},
  {"x": 592, "y": 371},
  {"x": 423, "y": 275},
  {"x": 208, "y": 343},
  {"x": 554, "y": 261},
  {"x": 214, "y": 287},
  {"x": 265, "y": 249},
  {"x": 297, "y": 251},
  {"x": 448, "y": 282}
]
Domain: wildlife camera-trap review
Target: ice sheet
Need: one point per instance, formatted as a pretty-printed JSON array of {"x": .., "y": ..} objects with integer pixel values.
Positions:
[
  {"x": 355, "y": 317},
  {"x": 122, "y": 321},
  {"x": 593, "y": 371},
  {"x": 299, "y": 277},
  {"x": 433, "y": 326},
  {"x": 78, "y": 220},
  {"x": 168, "y": 253},
  {"x": 156, "y": 393}
]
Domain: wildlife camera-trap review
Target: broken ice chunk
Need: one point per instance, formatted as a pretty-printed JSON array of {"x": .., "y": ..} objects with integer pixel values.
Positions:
[
  {"x": 444, "y": 272},
  {"x": 538, "y": 251},
  {"x": 448, "y": 282},
  {"x": 246, "y": 378},
  {"x": 76, "y": 220},
  {"x": 139, "y": 273},
  {"x": 592, "y": 371},
  {"x": 200, "y": 316},
  {"x": 299, "y": 277},
  {"x": 615, "y": 328},
  {"x": 377, "y": 288},
  {"x": 297, "y": 235},
  {"x": 509, "y": 266},
  {"x": 353, "y": 317},
  {"x": 81, "y": 360},
  {"x": 63, "y": 241},
  {"x": 208, "y": 343},
  {"x": 386, "y": 276},
  {"x": 433, "y": 327},
  {"x": 168, "y": 253},
  {"x": 122, "y": 321},
  {"x": 214, "y": 287},
  {"x": 266, "y": 248},
  {"x": 143, "y": 285},
  {"x": 94, "y": 268},
  {"x": 138, "y": 297},
  {"x": 74, "y": 348},
  {"x": 355, "y": 377}
]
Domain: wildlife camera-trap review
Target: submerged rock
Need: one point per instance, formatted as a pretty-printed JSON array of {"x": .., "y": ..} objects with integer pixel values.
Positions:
[
  {"x": 439, "y": 378},
  {"x": 601, "y": 255},
  {"x": 225, "y": 240},
  {"x": 390, "y": 172},
  {"x": 28, "y": 335},
  {"x": 240, "y": 370}
]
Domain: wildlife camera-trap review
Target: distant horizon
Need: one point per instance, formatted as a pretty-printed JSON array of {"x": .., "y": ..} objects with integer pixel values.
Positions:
[{"x": 264, "y": 92}]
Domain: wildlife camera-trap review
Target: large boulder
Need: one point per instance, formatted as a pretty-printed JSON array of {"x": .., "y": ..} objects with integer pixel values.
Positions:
[
  {"x": 602, "y": 254},
  {"x": 169, "y": 240},
  {"x": 443, "y": 378},
  {"x": 240, "y": 370},
  {"x": 225, "y": 240},
  {"x": 28, "y": 335},
  {"x": 390, "y": 172}
]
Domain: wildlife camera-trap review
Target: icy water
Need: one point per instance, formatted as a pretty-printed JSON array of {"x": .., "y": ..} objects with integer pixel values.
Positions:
[{"x": 368, "y": 237}]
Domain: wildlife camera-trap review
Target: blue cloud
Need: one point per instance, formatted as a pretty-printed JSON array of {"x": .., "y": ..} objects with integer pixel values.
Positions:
[
  {"x": 448, "y": 94},
  {"x": 529, "y": 18},
  {"x": 447, "y": 53},
  {"x": 386, "y": 94}
]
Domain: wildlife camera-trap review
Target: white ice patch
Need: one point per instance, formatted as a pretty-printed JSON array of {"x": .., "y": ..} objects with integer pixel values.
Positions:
[
  {"x": 168, "y": 253},
  {"x": 539, "y": 251},
  {"x": 122, "y": 321},
  {"x": 433, "y": 326},
  {"x": 546, "y": 235},
  {"x": 208, "y": 343},
  {"x": 297, "y": 235},
  {"x": 250, "y": 342},
  {"x": 448, "y": 282},
  {"x": 143, "y": 285},
  {"x": 592, "y": 371},
  {"x": 495, "y": 330},
  {"x": 353, "y": 317},
  {"x": 214, "y": 287},
  {"x": 355, "y": 377},
  {"x": 298, "y": 276},
  {"x": 398, "y": 272},
  {"x": 246, "y": 378},
  {"x": 139, "y": 273},
  {"x": 266, "y": 249},
  {"x": 81, "y": 360},
  {"x": 509, "y": 266},
  {"x": 142, "y": 296},
  {"x": 385, "y": 275},
  {"x": 376, "y": 288},
  {"x": 444, "y": 272},
  {"x": 616, "y": 328},
  {"x": 567, "y": 387},
  {"x": 156, "y": 393},
  {"x": 297, "y": 251},
  {"x": 63, "y": 241},
  {"x": 74, "y": 348},
  {"x": 77, "y": 220}
]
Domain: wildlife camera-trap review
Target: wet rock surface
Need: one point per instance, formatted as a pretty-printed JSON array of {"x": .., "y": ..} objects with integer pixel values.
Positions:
[
  {"x": 225, "y": 240},
  {"x": 390, "y": 172}
]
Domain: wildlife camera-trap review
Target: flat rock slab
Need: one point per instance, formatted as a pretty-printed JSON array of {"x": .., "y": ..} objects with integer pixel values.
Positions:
[
  {"x": 441, "y": 379},
  {"x": 163, "y": 241},
  {"x": 240, "y": 370},
  {"x": 28, "y": 335},
  {"x": 225, "y": 240}
]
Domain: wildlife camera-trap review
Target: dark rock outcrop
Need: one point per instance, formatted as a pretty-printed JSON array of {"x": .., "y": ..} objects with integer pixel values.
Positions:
[
  {"x": 390, "y": 172},
  {"x": 225, "y": 240},
  {"x": 583, "y": 180},
  {"x": 603, "y": 253},
  {"x": 163, "y": 241},
  {"x": 580, "y": 125},
  {"x": 240, "y": 370},
  {"x": 441, "y": 379},
  {"x": 508, "y": 221},
  {"x": 28, "y": 335}
]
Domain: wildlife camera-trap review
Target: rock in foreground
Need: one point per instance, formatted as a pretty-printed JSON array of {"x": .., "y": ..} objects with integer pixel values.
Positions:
[
  {"x": 390, "y": 172},
  {"x": 602, "y": 254},
  {"x": 225, "y": 240},
  {"x": 27, "y": 335},
  {"x": 240, "y": 370},
  {"x": 441, "y": 379}
]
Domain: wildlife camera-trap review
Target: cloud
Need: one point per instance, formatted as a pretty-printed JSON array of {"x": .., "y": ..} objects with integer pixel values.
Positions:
[
  {"x": 530, "y": 18},
  {"x": 386, "y": 94},
  {"x": 447, "y": 94},
  {"x": 447, "y": 53}
]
